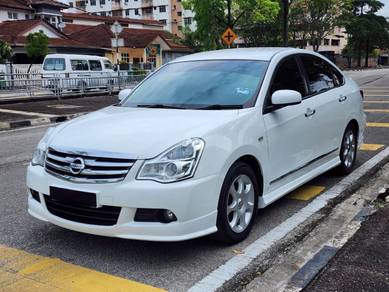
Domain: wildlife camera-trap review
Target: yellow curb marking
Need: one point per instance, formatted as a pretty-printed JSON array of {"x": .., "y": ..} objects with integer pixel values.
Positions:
[
  {"x": 371, "y": 147},
  {"x": 306, "y": 192},
  {"x": 22, "y": 271},
  {"x": 377, "y": 110},
  {"x": 378, "y": 125}
]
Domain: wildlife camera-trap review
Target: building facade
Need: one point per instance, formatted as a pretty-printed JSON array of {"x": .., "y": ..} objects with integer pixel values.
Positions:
[{"x": 169, "y": 12}]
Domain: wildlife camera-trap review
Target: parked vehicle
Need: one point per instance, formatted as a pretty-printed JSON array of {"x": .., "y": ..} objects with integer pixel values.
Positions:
[
  {"x": 77, "y": 71},
  {"x": 198, "y": 146}
]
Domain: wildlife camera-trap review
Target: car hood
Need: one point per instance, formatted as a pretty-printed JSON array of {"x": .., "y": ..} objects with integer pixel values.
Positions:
[{"x": 139, "y": 132}]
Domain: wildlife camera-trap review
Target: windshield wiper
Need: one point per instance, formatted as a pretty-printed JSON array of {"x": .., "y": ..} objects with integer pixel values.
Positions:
[
  {"x": 158, "y": 105},
  {"x": 221, "y": 107}
]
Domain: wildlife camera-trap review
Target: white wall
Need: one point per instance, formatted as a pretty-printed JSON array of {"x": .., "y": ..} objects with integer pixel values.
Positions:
[{"x": 20, "y": 14}]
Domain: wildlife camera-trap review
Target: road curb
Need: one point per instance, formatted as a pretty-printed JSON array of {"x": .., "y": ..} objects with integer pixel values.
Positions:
[
  {"x": 4, "y": 126},
  {"x": 262, "y": 253}
]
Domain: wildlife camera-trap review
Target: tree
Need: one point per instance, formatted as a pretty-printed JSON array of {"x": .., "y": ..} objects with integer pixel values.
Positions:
[
  {"x": 367, "y": 31},
  {"x": 37, "y": 46},
  {"x": 315, "y": 19},
  {"x": 285, "y": 5},
  {"x": 5, "y": 52},
  {"x": 214, "y": 16}
]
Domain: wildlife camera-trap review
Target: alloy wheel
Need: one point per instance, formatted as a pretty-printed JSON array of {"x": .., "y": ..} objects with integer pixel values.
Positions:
[
  {"x": 349, "y": 149},
  {"x": 240, "y": 206}
]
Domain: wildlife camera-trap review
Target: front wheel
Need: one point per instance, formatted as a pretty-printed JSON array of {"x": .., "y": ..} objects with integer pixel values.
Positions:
[
  {"x": 238, "y": 203},
  {"x": 348, "y": 151}
]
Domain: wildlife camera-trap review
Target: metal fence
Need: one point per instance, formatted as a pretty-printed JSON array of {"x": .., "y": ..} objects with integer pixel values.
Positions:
[{"x": 38, "y": 85}]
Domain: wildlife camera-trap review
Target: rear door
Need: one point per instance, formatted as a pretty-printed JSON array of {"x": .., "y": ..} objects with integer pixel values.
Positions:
[
  {"x": 289, "y": 130},
  {"x": 326, "y": 97}
]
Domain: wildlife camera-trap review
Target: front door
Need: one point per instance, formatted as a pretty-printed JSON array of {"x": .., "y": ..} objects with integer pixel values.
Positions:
[{"x": 289, "y": 129}]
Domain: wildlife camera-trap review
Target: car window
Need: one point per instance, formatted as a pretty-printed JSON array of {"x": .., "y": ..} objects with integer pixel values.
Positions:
[
  {"x": 108, "y": 65},
  {"x": 79, "y": 65},
  {"x": 288, "y": 76},
  {"x": 197, "y": 84},
  {"x": 95, "y": 65},
  {"x": 338, "y": 77},
  {"x": 319, "y": 72},
  {"x": 54, "y": 64}
]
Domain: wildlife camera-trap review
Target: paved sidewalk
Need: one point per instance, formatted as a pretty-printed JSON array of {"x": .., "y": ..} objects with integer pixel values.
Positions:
[{"x": 362, "y": 264}]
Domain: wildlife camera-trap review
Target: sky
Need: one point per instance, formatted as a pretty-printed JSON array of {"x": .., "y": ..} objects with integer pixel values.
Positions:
[{"x": 384, "y": 11}]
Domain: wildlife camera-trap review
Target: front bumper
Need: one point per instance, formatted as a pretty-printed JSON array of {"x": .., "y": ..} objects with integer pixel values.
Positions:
[{"x": 193, "y": 201}]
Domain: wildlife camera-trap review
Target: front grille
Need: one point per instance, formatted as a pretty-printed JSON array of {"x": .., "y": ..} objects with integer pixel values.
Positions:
[
  {"x": 106, "y": 215},
  {"x": 90, "y": 168}
]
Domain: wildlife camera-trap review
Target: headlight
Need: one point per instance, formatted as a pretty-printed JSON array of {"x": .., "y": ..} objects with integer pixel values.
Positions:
[
  {"x": 38, "y": 158},
  {"x": 176, "y": 163}
]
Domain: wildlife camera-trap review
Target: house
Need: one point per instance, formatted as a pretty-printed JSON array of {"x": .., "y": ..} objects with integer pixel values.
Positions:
[
  {"x": 49, "y": 10},
  {"x": 140, "y": 45},
  {"x": 16, "y": 32}
]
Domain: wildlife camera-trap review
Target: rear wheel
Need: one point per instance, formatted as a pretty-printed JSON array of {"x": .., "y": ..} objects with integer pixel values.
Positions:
[
  {"x": 348, "y": 150},
  {"x": 238, "y": 203}
]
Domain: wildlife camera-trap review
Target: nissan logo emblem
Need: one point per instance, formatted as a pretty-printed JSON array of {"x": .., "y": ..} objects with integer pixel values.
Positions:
[{"x": 77, "y": 166}]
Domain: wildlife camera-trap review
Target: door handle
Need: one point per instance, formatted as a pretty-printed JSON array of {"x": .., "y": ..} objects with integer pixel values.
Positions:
[
  {"x": 342, "y": 98},
  {"x": 310, "y": 112}
]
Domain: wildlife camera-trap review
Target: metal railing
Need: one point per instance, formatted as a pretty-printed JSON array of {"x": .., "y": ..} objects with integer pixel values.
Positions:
[{"x": 41, "y": 85}]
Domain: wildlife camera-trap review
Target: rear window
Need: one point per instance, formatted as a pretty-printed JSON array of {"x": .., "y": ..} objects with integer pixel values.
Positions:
[
  {"x": 79, "y": 65},
  {"x": 108, "y": 65},
  {"x": 54, "y": 64},
  {"x": 95, "y": 65}
]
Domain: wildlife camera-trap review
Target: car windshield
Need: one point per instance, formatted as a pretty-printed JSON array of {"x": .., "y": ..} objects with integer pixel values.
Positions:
[{"x": 220, "y": 84}]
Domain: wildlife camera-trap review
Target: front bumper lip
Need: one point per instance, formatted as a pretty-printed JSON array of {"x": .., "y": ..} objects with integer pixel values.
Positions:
[{"x": 193, "y": 201}]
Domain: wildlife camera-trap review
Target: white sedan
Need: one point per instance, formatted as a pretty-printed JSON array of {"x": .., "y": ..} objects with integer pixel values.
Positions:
[{"x": 199, "y": 146}]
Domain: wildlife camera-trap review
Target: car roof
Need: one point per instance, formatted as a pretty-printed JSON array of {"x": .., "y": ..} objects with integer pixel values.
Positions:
[
  {"x": 91, "y": 57},
  {"x": 263, "y": 54}
]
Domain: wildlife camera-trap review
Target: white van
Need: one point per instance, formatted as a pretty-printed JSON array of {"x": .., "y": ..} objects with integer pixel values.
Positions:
[{"x": 77, "y": 71}]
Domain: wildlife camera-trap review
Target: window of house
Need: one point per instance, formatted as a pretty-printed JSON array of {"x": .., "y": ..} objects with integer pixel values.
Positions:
[
  {"x": 27, "y": 16},
  {"x": 179, "y": 13},
  {"x": 127, "y": 12},
  {"x": 187, "y": 21},
  {"x": 102, "y": 2},
  {"x": 164, "y": 21},
  {"x": 326, "y": 42},
  {"x": 79, "y": 65},
  {"x": 162, "y": 8},
  {"x": 93, "y": 2},
  {"x": 136, "y": 11},
  {"x": 103, "y": 13},
  {"x": 335, "y": 42},
  {"x": 125, "y": 58},
  {"x": 179, "y": 27},
  {"x": 12, "y": 15},
  {"x": 95, "y": 65},
  {"x": 320, "y": 74}
]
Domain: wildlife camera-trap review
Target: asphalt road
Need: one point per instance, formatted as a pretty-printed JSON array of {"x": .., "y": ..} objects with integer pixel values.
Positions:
[{"x": 172, "y": 266}]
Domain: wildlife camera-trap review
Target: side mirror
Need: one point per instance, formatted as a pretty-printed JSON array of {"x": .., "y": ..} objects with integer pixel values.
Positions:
[
  {"x": 281, "y": 98},
  {"x": 124, "y": 93}
]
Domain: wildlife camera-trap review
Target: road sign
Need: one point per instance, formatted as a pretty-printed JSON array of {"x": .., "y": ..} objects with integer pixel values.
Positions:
[
  {"x": 117, "y": 43},
  {"x": 116, "y": 28},
  {"x": 229, "y": 36}
]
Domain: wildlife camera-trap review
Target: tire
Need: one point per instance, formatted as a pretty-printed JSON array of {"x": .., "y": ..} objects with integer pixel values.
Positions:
[
  {"x": 348, "y": 150},
  {"x": 240, "y": 186}
]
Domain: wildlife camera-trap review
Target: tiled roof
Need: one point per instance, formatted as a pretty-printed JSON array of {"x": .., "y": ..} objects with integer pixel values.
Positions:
[
  {"x": 17, "y": 4},
  {"x": 48, "y": 2},
  {"x": 12, "y": 32},
  {"x": 71, "y": 28},
  {"x": 133, "y": 38},
  {"x": 108, "y": 19}
]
